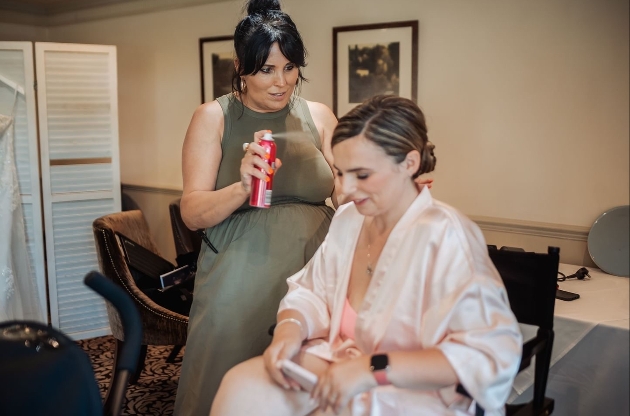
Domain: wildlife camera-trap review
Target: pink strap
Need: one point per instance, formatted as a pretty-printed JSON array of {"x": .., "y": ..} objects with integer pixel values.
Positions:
[
  {"x": 381, "y": 378},
  {"x": 348, "y": 321}
]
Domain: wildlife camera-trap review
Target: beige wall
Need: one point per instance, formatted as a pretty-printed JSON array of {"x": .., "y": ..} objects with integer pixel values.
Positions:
[
  {"x": 158, "y": 82},
  {"x": 527, "y": 101},
  {"x": 13, "y": 32}
]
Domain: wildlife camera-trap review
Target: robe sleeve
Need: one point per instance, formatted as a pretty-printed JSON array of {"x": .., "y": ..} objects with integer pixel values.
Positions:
[
  {"x": 307, "y": 294},
  {"x": 473, "y": 322},
  {"x": 484, "y": 347}
]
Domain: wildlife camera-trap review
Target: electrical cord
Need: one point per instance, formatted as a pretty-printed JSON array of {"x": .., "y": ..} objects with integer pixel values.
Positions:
[{"x": 581, "y": 274}]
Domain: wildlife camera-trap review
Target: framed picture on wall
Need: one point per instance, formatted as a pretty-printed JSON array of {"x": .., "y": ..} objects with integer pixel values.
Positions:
[
  {"x": 217, "y": 63},
  {"x": 374, "y": 59}
]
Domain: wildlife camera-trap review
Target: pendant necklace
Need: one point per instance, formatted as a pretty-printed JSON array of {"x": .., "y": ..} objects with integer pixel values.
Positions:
[{"x": 369, "y": 269}]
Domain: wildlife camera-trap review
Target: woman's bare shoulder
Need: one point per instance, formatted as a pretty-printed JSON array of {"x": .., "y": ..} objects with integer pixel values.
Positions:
[
  {"x": 325, "y": 121},
  {"x": 210, "y": 111},
  {"x": 207, "y": 123},
  {"x": 321, "y": 111}
]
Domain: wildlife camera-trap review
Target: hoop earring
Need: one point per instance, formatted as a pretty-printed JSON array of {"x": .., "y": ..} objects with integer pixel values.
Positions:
[{"x": 243, "y": 85}]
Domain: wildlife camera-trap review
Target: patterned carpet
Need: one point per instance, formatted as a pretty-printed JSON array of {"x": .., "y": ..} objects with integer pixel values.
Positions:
[{"x": 154, "y": 394}]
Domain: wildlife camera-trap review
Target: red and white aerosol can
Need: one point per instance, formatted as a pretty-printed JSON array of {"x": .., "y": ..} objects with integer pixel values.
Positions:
[{"x": 261, "y": 190}]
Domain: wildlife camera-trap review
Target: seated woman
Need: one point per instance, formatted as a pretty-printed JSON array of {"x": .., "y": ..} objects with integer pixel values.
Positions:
[{"x": 399, "y": 304}]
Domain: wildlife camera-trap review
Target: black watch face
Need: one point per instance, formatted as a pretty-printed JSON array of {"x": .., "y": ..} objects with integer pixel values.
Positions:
[{"x": 379, "y": 362}]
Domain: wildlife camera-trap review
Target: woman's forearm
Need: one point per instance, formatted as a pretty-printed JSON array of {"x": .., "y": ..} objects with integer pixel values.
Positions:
[
  {"x": 286, "y": 319},
  {"x": 425, "y": 369},
  {"x": 203, "y": 209}
]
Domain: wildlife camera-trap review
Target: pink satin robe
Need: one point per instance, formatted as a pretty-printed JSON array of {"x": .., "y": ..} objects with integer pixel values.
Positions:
[{"x": 433, "y": 286}]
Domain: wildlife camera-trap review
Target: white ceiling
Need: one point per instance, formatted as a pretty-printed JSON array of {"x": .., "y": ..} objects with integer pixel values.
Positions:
[
  {"x": 49, "y": 7},
  {"x": 59, "y": 12}
]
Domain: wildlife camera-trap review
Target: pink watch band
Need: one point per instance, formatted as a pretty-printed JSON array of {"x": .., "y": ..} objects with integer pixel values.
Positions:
[{"x": 381, "y": 377}]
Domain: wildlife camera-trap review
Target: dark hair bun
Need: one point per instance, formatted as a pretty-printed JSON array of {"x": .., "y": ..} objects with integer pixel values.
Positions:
[
  {"x": 427, "y": 164},
  {"x": 255, "y": 7}
]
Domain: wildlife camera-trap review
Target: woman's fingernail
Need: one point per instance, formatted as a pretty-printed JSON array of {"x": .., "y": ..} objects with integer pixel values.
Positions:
[
  {"x": 270, "y": 171},
  {"x": 267, "y": 179}
]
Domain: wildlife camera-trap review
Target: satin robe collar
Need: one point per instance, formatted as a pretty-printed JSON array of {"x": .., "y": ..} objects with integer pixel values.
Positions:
[{"x": 384, "y": 288}]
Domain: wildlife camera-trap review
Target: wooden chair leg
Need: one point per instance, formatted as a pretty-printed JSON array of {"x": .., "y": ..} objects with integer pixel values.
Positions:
[
  {"x": 541, "y": 374},
  {"x": 143, "y": 354},
  {"x": 173, "y": 355}
]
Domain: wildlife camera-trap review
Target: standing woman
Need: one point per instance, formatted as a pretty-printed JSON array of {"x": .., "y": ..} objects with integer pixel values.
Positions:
[{"x": 237, "y": 291}]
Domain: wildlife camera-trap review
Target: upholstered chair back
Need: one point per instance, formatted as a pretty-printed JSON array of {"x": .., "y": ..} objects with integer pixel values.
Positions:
[{"x": 160, "y": 325}]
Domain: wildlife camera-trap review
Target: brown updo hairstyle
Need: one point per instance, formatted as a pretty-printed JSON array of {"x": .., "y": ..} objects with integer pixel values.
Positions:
[
  {"x": 395, "y": 124},
  {"x": 264, "y": 25}
]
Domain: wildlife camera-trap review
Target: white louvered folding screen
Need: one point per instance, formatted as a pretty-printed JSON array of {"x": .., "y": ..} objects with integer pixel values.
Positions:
[
  {"x": 16, "y": 68},
  {"x": 78, "y": 122}
]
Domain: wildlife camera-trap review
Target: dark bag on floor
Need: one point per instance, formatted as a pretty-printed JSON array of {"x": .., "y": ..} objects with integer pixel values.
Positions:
[
  {"x": 146, "y": 267},
  {"x": 43, "y": 372},
  {"x": 188, "y": 259},
  {"x": 177, "y": 298}
]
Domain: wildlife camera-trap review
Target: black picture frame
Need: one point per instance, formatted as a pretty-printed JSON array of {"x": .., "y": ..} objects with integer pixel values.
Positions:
[
  {"x": 216, "y": 53},
  {"x": 379, "y": 58}
]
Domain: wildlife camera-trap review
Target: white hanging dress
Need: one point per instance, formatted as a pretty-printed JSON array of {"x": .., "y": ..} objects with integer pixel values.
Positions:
[{"x": 19, "y": 298}]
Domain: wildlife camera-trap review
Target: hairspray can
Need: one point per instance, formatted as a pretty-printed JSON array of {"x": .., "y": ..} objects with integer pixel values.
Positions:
[{"x": 261, "y": 190}]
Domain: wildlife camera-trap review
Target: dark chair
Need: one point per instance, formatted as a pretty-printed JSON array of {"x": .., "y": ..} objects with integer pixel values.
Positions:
[
  {"x": 160, "y": 326},
  {"x": 44, "y": 372},
  {"x": 187, "y": 242},
  {"x": 530, "y": 280}
]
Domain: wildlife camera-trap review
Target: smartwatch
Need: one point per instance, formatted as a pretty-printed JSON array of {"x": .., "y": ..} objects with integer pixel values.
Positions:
[{"x": 379, "y": 365}]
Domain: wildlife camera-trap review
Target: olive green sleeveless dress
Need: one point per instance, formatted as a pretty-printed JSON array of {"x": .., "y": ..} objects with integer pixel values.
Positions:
[{"x": 237, "y": 291}]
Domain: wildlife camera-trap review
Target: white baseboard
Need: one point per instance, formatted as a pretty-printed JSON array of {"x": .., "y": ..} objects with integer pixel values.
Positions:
[{"x": 539, "y": 229}]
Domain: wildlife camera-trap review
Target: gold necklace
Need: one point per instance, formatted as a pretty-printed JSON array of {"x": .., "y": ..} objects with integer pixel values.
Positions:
[
  {"x": 369, "y": 270},
  {"x": 381, "y": 237}
]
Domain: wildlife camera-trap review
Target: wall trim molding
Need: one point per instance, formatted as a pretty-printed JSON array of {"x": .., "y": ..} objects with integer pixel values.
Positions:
[
  {"x": 151, "y": 189},
  {"x": 511, "y": 226},
  {"x": 538, "y": 229}
]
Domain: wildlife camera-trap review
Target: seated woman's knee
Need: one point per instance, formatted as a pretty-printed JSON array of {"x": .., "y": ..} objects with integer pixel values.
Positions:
[{"x": 246, "y": 375}]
